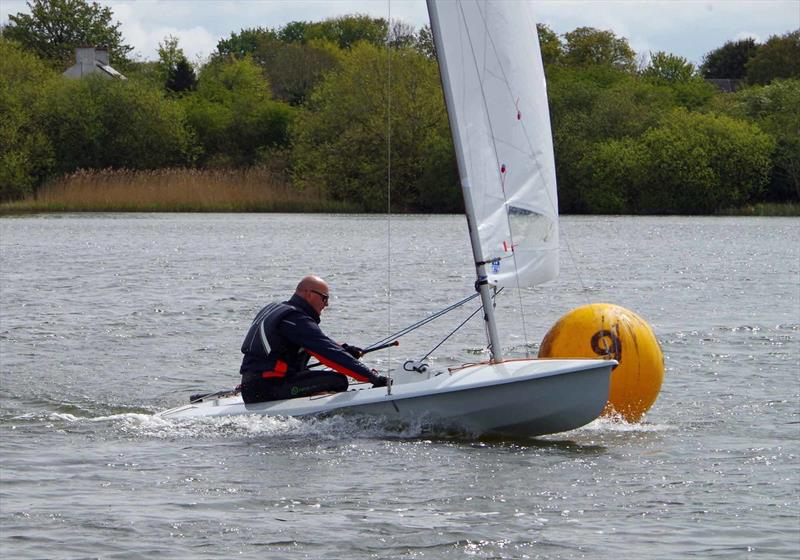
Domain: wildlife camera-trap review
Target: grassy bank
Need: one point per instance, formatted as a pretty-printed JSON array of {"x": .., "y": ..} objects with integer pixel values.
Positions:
[{"x": 175, "y": 190}]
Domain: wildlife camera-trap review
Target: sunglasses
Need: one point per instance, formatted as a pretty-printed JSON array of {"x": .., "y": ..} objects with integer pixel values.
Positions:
[{"x": 324, "y": 297}]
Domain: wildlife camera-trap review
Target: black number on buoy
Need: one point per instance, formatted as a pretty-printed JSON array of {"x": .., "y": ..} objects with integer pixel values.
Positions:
[{"x": 607, "y": 343}]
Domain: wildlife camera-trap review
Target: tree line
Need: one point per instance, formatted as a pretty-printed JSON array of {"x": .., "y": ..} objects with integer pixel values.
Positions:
[{"x": 314, "y": 100}]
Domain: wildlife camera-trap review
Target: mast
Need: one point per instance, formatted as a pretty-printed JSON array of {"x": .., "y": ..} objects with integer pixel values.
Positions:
[{"x": 481, "y": 283}]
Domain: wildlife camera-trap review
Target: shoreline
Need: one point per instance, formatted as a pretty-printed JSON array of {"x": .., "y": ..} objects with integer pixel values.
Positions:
[{"x": 763, "y": 210}]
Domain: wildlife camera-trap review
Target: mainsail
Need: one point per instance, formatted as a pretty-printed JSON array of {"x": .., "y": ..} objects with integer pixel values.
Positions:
[{"x": 496, "y": 96}]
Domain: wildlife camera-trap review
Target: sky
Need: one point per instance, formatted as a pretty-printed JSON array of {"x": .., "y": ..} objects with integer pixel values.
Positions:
[{"x": 688, "y": 28}]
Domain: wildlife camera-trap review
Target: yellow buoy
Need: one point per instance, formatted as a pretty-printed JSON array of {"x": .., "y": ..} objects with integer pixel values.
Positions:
[{"x": 607, "y": 330}]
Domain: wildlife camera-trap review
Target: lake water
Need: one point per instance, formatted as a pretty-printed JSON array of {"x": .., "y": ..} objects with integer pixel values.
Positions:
[{"x": 107, "y": 319}]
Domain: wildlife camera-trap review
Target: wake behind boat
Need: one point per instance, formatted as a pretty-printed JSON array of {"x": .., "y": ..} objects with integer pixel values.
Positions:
[{"x": 521, "y": 398}]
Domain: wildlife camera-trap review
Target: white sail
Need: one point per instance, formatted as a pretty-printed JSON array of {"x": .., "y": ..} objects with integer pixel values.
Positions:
[{"x": 496, "y": 97}]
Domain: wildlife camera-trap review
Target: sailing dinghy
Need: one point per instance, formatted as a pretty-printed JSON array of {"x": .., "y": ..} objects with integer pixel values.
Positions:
[{"x": 496, "y": 99}]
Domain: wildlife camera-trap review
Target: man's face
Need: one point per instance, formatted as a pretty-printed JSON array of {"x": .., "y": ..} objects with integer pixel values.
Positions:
[{"x": 318, "y": 296}]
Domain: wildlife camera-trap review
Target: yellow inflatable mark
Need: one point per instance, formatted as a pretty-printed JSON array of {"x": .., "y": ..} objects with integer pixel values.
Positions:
[{"x": 607, "y": 330}]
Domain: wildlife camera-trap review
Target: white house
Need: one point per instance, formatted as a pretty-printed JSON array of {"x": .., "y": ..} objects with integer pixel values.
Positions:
[{"x": 91, "y": 60}]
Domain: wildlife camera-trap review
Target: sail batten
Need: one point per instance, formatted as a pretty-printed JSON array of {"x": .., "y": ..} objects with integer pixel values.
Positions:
[{"x": 497, "y": 103}]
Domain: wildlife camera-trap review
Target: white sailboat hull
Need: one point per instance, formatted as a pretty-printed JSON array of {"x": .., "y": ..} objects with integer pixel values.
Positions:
[{"x": 522, "y": 398}]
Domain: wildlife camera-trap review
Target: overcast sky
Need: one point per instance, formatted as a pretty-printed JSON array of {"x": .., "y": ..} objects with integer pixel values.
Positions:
[{"x": 689, "y": 28}]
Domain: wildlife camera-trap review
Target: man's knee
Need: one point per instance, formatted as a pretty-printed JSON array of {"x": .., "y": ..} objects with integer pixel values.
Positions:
[
  {"x": 329, "y": 381},
  {"x": 341, "y": 383}
]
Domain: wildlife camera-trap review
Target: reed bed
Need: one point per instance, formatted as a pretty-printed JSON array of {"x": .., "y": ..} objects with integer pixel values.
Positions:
[{"x": 255, "y": 189}]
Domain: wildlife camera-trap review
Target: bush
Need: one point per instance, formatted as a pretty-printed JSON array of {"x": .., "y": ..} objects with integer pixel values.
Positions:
[
  {"x": 234, "y": 115},
  {"x": 97, "y": 123},
  {"x": 614, "y": 169},
  {"x": 340, "y": 142},
  {"x": 776, "y": 110},
  {"x": 25, "y": 151},
  {"x": 778, "y": 58},
  {"x": 698, "y": 164}
]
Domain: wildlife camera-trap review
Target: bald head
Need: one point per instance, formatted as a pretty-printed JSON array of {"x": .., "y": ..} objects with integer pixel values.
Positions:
[
  {"x": 315, "y": 291},
  {"x": 311, "y": 283}
]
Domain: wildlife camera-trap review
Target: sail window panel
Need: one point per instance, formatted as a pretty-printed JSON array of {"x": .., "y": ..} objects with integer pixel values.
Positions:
[{"x": 528, "y": 227}]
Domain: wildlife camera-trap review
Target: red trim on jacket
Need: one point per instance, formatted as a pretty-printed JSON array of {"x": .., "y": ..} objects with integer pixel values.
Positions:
[
  {"x": 279, "y": 371},
  {"x": 338, "y": 367}
]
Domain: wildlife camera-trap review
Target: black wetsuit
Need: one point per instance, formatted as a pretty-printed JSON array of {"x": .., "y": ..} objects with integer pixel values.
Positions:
[{"x": 281, "y": 339}]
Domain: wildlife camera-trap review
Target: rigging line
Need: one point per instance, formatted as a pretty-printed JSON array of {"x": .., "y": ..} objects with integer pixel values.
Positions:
[
  {"x": 573, "y": 260},
  {"x": 389, "y": 190},
  {"x": 584, "y": 290},
  {"x": 464, "y": 322},
  {"x": 425, "y": 321},
  {"x": 500, "y": 165}
]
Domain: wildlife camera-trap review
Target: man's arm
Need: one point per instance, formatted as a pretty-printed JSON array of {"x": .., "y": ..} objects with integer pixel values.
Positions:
[{"x": 304, "y": 332}]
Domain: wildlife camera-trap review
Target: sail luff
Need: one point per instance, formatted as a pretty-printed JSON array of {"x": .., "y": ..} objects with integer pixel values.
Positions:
[{"x": 472, "y": 224}]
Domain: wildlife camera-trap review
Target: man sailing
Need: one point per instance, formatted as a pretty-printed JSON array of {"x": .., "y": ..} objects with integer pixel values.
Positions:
[{"x": 282, "y": 338}]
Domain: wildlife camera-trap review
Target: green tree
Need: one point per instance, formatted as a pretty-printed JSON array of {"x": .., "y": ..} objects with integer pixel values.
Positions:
[
  {"x": 176, "y": 71},
  {"x": 145, "y": 71},
  {"x": 612, "y": 169},
  {"x": 402, "y": 35},
  {"x": 690, "y": 164},
  {"x": 669, "y": 68},
  {"x": 779, "y": 57},
  {"x": 700, "y": 163},
  {"x": 775, "y": 108},
  {"x": 340, "y": 142},
  {"x": 346, "y": 31},
  {"x": 293, "y": 64},
  {"x": 169, "y": 53},
  {"x": 628, "y": 108},
  {"x": 244, "y": 42},
  {"x": 182, "y": 78},
  {"x": 694, "y": 94},
  {"x": 622, "y": 145},
  {"x": 298, "y": 55},
  {"x": 424, "y": 44},
  {"x": 575, "y": 93},
  {"x": 675, "y": 72},
  {"x": 729, "y": 61},
  {"x": 54, "y": 28},
  {"x": 95, "y": 123},
  {"x": 294, "y": 32},
  {"x": 25, "y": 151},
  {"x": 549, "y": 44},
  {"x": 233, "y": 113},
  {"x": 294, "y": 69},
  {"x": 589, "y": 46}
]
